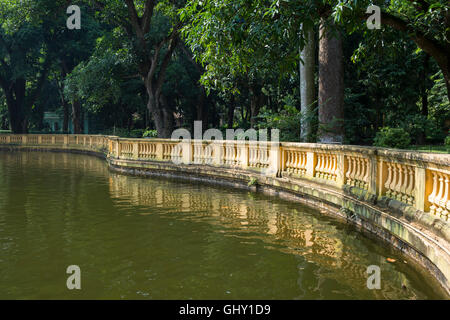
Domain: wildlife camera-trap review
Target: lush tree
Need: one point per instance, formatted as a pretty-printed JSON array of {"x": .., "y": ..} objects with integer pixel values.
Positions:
[
  {"x": 153, "y": 30},
  {"x": 24, "y": 57}
]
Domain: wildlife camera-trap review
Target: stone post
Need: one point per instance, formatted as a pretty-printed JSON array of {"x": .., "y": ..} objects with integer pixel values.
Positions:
[
  {"x": 274, "y": 158},
  {"x": 186, "y": 155},
  {"x": 117, "y": 153},
  {"x": 135, "y": 150},
  {"x": 340, "y": 166},
  {"x": 159, "y": 151},
  {"x": 244, "y": 153},
  {"x": 419, "y": 190},
  {"x": 217, "y": 146},
  {"x": 373, "y": 166},
  {"x": 310, "y": 164}
]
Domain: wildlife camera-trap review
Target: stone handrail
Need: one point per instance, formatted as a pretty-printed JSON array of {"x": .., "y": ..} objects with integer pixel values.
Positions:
[{"x": 417, "y": 179}]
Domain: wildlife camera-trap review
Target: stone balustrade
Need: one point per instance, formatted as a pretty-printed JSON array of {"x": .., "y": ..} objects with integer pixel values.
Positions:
[{"x": 417, "y": 179}]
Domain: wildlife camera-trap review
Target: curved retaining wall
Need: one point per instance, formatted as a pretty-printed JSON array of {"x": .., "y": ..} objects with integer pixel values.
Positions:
[{"x": 401, "y": 196}]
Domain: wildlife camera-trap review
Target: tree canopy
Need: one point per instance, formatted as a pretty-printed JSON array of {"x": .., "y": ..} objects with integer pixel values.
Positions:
[{"x": 148, "y": 66}]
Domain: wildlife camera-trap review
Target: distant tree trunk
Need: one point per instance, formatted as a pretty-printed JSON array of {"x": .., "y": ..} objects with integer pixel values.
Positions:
[
  {"x": 64, "y": 103},
  {"x": 65, "y": 127},
  {"x": 421, "y": 137},
  {"x": 201, "y": 109},
  {"x": 76, "y": 117},
  {"x": 307, "y": 94},
  {"x": 424, "y": 95},
  {"x": 230, "y": 115},
  {"x": 256, "y": 102},
  {"x": 331, "y": 86}
]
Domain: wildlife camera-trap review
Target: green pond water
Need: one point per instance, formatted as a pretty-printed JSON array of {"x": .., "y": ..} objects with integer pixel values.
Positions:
[{"x": 136, "y": 238}]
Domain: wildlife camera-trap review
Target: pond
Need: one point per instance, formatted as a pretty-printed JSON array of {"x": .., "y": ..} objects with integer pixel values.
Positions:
[{"x": 136, "y": 238}]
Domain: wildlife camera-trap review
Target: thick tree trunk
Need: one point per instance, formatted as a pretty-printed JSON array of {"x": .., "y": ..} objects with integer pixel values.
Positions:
[
  {"x": 17, "y": 120},
  {"x": 15, "y": 100},
  {"x": 162, "y": 117},
  {"x": 331, "y": 87},
  {"x": 76, "y": 117},
  {"x": 307, "y": 94}
]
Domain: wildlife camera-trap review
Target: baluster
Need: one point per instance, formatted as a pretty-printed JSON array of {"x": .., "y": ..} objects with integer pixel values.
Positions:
[
  {"x": 350, "y": 171},
  {"x": 288, "y": 160},
  {"x": 443, "y": 201},
  {"x": 404, "y": 197},
  {"x": 354, "y": 171},
  {"x": 387, "y": 185},
  {"x": 397, "y": 187},
  {"x": 333, "y": 167},
  {"x": 295, "y": 162},
  {"x": 410, "y": 188},
  {"x": 318, "y": 165},
  {"x": 366, "y": 176},
  {"x": 328, "y": 167},
  {"x": 439, "y": 197},
  {"x": 358, "y": 172},
  {"x": 303, "y": 155},
  {"x": 394, "y": 180}
]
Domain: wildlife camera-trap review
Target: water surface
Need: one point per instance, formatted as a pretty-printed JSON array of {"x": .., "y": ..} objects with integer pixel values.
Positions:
[{"x": 137, "y": 238}]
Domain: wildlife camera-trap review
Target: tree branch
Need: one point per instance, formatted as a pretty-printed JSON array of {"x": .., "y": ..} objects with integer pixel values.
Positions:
[
  {"x": 430, "y": 46},
  {"x": 147, "y": 16},
  {"x": 132, "y": 13}
]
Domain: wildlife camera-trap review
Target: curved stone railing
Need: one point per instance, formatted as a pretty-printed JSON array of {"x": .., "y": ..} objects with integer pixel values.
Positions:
[{"x": 391, "y": 188}]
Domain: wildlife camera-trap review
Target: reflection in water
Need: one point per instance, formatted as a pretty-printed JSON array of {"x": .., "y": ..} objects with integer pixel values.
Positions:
[{"x": 150, "y": 238}]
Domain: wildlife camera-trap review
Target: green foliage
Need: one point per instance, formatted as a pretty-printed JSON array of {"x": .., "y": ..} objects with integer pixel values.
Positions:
[
  {"x": 392, "y": 138},
  {"x": 252, "y": 182},
  {"x": 287, "y": 120},
  {"x": 150, "y": 134},
  {"x": 447, "y": 143}
]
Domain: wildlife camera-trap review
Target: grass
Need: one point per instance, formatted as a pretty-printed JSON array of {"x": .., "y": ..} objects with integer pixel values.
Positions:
[{"x": 431, "y": 148}]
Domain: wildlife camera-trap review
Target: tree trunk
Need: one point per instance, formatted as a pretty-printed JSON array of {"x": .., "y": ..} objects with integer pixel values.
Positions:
[
  {"x": 201, "y": 110},
  {"x": 307, "y": 94},
  {"x": 15, "y": 100},
  {"x": 64, "y": 70},
  {"x": 65, "y": 127},
  {"x": 17, "y": 120},
  {"x": 331, "y": 87},
  {"x": 162, "y": 117},
  {"x": 421, "y": 137},
  {"x": 230, "y": 115},
  {"x": 76, "y": 117},
  {"x": 255, "y": 103}
]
